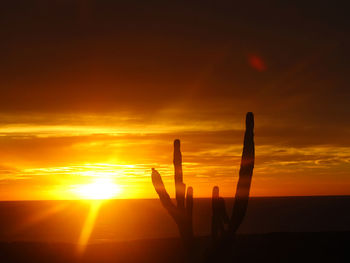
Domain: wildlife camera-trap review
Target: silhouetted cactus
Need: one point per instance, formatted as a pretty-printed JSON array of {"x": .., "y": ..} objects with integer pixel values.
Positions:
[
  {"x": 219, "y": 216},
  {"x": 181, "y": 214},
  {"x": 244, "y": 181}
]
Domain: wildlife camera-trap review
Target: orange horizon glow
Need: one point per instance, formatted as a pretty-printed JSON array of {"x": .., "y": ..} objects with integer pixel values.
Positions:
[{"x": 114, "y": 161}]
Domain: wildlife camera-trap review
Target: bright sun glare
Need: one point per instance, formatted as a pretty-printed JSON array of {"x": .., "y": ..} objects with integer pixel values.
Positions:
[{"x": 101, "y": 188}]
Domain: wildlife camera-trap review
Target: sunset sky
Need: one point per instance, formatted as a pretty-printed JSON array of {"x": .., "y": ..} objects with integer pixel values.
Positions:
[{"x": 100, "y": 89}]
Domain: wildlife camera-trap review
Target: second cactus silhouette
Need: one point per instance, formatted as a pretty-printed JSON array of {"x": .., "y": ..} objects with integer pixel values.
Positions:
[{"x": 182, "y": 211}]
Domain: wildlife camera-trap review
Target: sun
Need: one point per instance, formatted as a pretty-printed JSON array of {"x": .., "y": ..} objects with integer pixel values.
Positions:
[{"x": 101, "y": 188}]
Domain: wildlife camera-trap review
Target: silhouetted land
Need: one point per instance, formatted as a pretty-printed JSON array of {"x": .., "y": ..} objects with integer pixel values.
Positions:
[
  {"x": 316, "y": 226},
  {"x": 274, "y": 247},
  {"x": 122, "y": 220}
]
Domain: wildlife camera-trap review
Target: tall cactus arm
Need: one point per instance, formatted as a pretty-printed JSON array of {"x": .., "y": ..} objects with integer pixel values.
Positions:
[
  {"x": 245, "y": 176},
  {"x": 179, "y": 185}
]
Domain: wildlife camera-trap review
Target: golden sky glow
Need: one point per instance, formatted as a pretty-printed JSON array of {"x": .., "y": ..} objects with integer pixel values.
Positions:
[
  {"x": 98, "y": 161},
  {"x": 90, "y": 96}
]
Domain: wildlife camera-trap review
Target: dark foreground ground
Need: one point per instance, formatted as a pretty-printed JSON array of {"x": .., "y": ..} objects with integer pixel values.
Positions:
[{"x": 274, "y": 247}]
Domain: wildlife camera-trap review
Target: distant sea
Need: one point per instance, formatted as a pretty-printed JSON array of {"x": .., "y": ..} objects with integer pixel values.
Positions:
[{"x": 122, "y": 220}]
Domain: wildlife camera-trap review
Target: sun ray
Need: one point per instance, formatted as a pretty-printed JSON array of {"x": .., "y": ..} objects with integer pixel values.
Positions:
[
  {"x": 39, "y": 217},
  {"x": 88, "y": 225}
]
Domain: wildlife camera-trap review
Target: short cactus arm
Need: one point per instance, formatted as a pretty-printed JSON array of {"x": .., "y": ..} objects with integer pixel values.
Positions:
[
  {"x": 189, "y": 204},
  {"x": 162, "y": 193}
]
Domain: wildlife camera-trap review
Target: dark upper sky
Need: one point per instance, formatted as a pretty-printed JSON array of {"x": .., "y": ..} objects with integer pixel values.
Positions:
[{"x": 103, "y": 55}]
